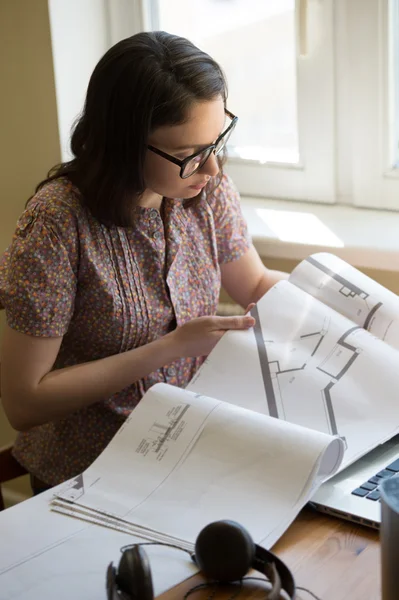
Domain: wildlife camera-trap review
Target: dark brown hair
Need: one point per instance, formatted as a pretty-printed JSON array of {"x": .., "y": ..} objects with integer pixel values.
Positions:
[{"x": 143, "y": 82}]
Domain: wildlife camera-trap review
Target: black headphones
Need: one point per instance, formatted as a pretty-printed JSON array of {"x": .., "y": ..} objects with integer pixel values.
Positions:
[{"x": 224, "y": 552}]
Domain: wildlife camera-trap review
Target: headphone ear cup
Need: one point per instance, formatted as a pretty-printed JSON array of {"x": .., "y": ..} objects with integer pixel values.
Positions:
[
  {"x": 224, "y": 551},
  {"x": 110, "y": 581},
  {"x": 134, "y": 574}
]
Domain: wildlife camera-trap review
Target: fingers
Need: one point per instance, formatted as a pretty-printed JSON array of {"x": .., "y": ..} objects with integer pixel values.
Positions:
[
  {"x": 249, "y": 307},
  {"x": 244, "y": 322}
]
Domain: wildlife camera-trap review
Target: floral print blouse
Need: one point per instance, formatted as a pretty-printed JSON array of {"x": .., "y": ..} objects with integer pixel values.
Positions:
[{"x": 107, "y": 290}]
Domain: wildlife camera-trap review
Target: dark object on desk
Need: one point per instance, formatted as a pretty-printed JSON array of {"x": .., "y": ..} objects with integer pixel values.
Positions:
[
  {"x": 133, "y": 579},
  {"x": 224, "y": 551},
  {"x": 9, "y": 469},
  {"x": 389, "y": 536}
]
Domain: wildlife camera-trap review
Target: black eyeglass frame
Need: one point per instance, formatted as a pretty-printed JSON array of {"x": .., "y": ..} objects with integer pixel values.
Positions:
[{"x": 211, "y": 148}]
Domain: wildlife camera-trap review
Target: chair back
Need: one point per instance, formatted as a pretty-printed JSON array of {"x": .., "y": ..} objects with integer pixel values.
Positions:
[{"x": 9, "y": 469}]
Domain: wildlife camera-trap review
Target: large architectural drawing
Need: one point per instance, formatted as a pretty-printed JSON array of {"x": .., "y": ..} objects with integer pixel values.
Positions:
[
  {"x": 287, "y": 366},
  {"x": 285, "y": 371},
  {"x": 322, "y": 355}
]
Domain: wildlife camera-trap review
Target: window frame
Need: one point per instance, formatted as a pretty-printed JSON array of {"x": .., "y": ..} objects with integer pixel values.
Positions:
[
  {"x": 314, "y": 177},
  {"x": 375, "y": 183}
]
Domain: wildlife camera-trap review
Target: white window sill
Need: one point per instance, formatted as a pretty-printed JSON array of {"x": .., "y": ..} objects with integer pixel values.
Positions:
[{"x": 364, "y": 238}]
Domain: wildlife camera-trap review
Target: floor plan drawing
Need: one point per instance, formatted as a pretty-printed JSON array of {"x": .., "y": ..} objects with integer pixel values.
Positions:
[
  {"x": 364, "y": 302},
  {"x": 287, "y": 370},
  {"x": 322, "y": 354},
  {"x": 351, "y": 293}
]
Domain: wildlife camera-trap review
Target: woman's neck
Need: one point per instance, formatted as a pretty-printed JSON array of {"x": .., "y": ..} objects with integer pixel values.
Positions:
[{"x": 150, "y": 199}]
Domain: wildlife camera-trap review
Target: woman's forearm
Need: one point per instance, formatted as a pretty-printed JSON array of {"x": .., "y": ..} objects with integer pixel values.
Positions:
[
  {"x": 65, "y": 390},
  {"x": 34, "y": 394}
]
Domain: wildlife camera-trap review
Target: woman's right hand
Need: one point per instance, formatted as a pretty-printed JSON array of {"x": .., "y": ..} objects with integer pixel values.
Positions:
[{"x": 199, "y": 336}]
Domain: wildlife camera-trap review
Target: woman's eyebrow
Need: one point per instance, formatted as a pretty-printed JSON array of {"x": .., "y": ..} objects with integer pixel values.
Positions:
[{"x": 195, "y": 147}]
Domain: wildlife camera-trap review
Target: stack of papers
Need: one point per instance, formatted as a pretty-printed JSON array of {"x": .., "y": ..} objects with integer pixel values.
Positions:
[{"x": 182, "y": 460}]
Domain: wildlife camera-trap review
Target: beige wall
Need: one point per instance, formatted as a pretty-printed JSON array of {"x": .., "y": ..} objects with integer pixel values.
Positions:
[{"x": 29, "y": 142}]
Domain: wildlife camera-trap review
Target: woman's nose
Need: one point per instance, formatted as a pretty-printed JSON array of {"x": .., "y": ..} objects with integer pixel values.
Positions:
[{"x": 211, "y": 167}]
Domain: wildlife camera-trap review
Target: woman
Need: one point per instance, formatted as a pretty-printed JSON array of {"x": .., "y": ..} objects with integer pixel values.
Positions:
[{"x": 112, "y": 279}]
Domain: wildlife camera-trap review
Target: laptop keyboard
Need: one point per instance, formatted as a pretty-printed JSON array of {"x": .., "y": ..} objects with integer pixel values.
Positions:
[{"x": 370, "y": 488}]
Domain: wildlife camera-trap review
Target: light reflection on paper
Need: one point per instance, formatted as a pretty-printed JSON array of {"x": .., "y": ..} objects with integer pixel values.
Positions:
[{"x": 299, "y": 227}]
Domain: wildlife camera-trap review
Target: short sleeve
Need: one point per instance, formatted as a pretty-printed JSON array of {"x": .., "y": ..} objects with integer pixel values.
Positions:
[
  {"x": 38, "y": 272},
  {"x": 231, "y": 230}
]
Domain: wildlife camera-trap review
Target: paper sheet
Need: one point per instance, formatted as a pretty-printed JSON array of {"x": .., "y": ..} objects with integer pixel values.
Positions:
[
  {"x": 45, "y": 555},
  {"x": 183, "y": 460}
]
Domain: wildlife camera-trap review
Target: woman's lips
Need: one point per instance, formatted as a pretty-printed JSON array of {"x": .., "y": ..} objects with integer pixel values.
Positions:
[{"x": 198, "y": 186}]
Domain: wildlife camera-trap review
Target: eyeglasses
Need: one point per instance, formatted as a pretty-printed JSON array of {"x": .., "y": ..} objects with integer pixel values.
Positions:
[{"x": 192, "y": 163}]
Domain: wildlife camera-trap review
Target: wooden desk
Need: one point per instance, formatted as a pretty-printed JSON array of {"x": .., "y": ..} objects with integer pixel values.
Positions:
[{"x": 334, "y": 559}]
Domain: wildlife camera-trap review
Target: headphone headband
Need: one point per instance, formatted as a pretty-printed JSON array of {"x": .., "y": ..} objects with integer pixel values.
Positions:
[
  {"x": 276, "y": 571},
  {"x": 224, "y": 552}
]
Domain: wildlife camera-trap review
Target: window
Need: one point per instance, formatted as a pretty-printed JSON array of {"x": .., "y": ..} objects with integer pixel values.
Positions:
[
  {"x": 261, "y": 74},
  {"x": 272, "y": 54},
  {"x": 315, "y": 84}
]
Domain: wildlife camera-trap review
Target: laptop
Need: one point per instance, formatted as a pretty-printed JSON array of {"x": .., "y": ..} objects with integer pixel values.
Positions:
[{"x": 354, "y": 493}]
